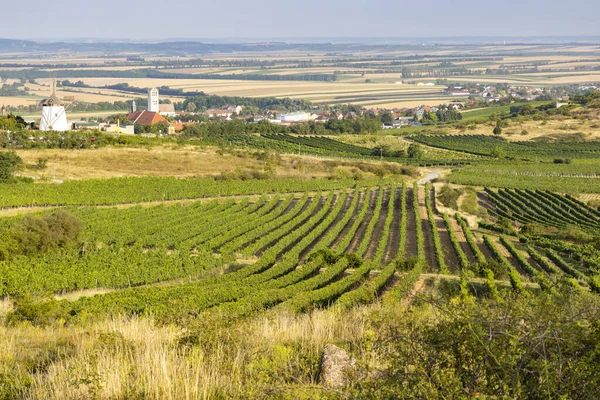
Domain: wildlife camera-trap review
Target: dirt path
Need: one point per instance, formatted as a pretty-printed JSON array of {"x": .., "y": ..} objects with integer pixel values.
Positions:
[
  {"x": 449, "y": 254},
  {"x": 416, "y": 289},
  {"x": 504, "y": 251},
  {"x": 427, "y": 233},
  {"x": 411, "y": 240},
  {"x": 355, "y": 242},
  {"x": 391, "y": 251},
  {"x": 429, "y": 177},
  {"x": 484, "y": 201},
  {"x": 460, "y": 236},
  {"x": 378, "y": 229}
]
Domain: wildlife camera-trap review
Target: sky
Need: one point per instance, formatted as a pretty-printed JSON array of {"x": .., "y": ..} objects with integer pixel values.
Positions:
[{"x": 193, "y": 19}]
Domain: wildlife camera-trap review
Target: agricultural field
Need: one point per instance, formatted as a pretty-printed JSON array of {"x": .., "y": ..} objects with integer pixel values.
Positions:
[
  {"x": 384, "y": 77},
  {"x": 232, "y": 261},
  {"x": 281, "y": 248}
]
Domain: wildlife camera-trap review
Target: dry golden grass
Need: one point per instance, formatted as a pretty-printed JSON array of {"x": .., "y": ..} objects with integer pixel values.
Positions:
[
  {"x": 108, "y": 162},
  {"x": 558, "y": 129},
  {"x": 189, "y": 161},
  {"x": 132, "y": 357}
]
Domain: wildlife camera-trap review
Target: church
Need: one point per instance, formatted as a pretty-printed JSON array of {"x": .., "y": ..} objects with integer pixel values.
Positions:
[{"x": 154, "y": 113}]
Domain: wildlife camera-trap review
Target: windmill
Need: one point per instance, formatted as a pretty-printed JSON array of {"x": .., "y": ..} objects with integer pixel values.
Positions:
[{"x": 54, "y": 116}]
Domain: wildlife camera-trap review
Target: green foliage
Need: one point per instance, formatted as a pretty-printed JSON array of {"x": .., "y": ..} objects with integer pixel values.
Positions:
[
  {"x": 449, "y": 196},
  {"x": 43, "y": 234},
  {"x": 490, "y": 348},
  {"x": 9, "y": 162},
  {"x": 415, "y": 151}
]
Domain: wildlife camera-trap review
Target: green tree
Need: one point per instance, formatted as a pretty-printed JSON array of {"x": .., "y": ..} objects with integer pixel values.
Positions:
[
  {"x": 191, "y": 107},
  {"x": 415, "y": 151},
  {"x": 498, "y": 128},
  {"x": 9, "y": 161},
  {"x": 386, "y": 118}
]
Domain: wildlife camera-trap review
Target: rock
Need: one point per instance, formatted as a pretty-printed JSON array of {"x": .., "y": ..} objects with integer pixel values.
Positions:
[{"x": 336, "y": 367}]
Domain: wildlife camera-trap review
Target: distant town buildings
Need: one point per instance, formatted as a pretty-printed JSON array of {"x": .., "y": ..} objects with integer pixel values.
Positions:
[
  {"x": 300, "y": 116},
  {"x": 167, "y": 110},
  {"x": 225, "y": 112},
  {"x": 145, "y": 118}
]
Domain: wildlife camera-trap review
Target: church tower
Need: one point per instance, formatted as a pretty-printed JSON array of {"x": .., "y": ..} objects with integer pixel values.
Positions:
[{"x": 153, "y": 100}]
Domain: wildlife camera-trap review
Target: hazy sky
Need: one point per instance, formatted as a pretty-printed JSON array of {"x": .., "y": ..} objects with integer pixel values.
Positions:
[{"x": 162, "y": 19}]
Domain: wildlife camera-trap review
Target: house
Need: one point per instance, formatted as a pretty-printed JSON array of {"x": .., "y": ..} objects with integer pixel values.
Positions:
[
  {"x": 300, "y": 116},
  {"x": 422, "y": 110},
  {"x": 456, "y": 105},
  {"x": 458, "y": 92},
  {"x": 167, "y": 110},
  {"x": 218, "y": 113},
  {"x": 224, "y": 112},
  {"x": 146, "y": 118},
  {"x": 123, "y": 129},
  {"x": 234, "y": 109}
]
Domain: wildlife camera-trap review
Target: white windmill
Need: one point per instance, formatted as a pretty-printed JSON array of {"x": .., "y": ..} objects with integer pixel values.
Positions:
[{"x": 54, "y": 116}]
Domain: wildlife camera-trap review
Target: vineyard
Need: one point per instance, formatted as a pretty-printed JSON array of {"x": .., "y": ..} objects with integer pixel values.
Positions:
[
  {"x": 576, "y": 178},
  {"x": 240, "y": 256},
  {"x": 543, "y": 207},
  {"x": 525, "y": 151}
]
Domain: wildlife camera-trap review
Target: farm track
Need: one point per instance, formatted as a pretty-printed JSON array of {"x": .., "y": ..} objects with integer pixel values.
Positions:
[
  {"x": 393, "y": 244},
  {"x": 411, "y": 242},
  {"x": 534, "y": 263},
  {"x": 427, "y": 233},
  {"x": 449, "y": 253},
  {"x": 506, "y": 254},
  {"x": 355, "y": 242},
  {"x": 483, "y": 248},
  {"x": 390, "y": 284},
  {"x": 460, "y": 235},
  {"x": 378, "y": 230},
  {"x": 484, "y": 201}
]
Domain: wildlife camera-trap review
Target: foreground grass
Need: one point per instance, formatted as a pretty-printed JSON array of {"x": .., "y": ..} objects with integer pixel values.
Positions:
[
  {"x": 444, "y": 342},
  {"x": 132, "y": 357}
]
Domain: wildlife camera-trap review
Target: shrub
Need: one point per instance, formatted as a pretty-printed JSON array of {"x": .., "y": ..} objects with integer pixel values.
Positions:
[
  {"x": 449, "y": 197},
  {"x": 40, "y": 234},
  {"x": 9, "y": 161}
]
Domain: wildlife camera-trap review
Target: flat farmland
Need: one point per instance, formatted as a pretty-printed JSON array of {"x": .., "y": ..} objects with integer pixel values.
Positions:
[{"x": 301, "y": 89}]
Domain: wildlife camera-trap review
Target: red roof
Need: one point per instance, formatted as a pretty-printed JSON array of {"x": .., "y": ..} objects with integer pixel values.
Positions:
[{"x": 145, "y": 118}]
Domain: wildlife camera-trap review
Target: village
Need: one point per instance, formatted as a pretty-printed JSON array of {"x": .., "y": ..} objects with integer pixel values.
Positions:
[{"x": 160, "y": 118}]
